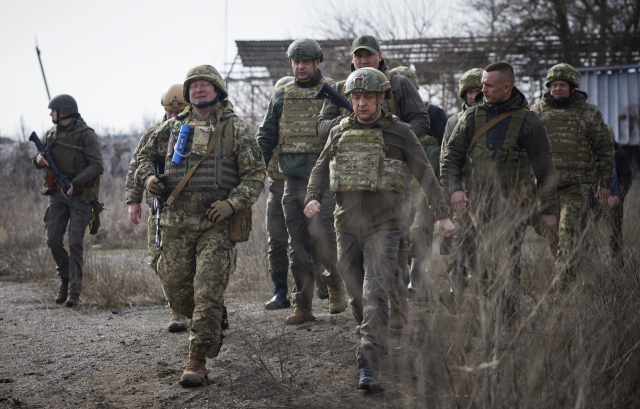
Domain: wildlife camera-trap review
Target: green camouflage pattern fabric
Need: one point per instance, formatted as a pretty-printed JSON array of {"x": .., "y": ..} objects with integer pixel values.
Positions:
[
  {"x": 194, "y": 268},
  {"x": 368, "y": 79},
  {"x": 564, "y": 239},
  {"x": 470, "y": 79},
  {"x": 134, "y": 192},
  {"x": 250, "y": 163},
  {"x": 407, "y": 73},
  {"x": 297, "y": 125},
  {"x": 564, "y": 72},
  {"x": 582, "y": 148},
  {"x": 206, "y": 73},
  {"x": 283, "y": 81},
  {"x": 357, "y": 158}
]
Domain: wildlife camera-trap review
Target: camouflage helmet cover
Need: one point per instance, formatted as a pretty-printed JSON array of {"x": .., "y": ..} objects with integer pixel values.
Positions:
[
  {"x": 470, "y": 79},
  {"x": 564, "y": 72},
  {"x": 172, "y": 99},
  {"x": 367, "y": 80},
  {"x": 206, "y": 73},
  {"x": 283, "y": 81},
  {"x": 408, "y": 73},
  {"x": 304, "y": 49},
  {"x": 65, "y": 104}
]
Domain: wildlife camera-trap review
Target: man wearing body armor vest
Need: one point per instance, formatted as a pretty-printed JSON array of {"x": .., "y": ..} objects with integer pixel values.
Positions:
[
  {"x": 405, "y": 102},
  {"x": 278, "y": 238},
  {"x": 173, "y": 103},
  {"x": 289, "y": 127},
  {"x": 469, "y": 85},
  {"x": 214, "y": 172},
  {"x": 583, "y": 154},
  {"x": 75, "y": 151},
  {"x": 365, "y": 163},
  {"x": 491, "y": 151}
]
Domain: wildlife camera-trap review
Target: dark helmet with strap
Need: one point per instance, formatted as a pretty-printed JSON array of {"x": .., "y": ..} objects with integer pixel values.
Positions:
[
  {"x": 305, "y": 49},
  {"x": 65, "y": 104}
]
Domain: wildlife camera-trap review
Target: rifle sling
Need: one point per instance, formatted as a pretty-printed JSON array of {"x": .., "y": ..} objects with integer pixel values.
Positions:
[
  {"x": 493, "y": 122},
  {"x": 185, "y": 179}
]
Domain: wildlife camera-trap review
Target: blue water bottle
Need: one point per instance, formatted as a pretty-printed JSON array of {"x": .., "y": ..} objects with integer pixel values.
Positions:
[{"x": 181, "y": 144}]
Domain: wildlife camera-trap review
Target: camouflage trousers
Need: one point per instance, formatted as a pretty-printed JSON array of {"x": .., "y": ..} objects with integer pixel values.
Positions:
[
  {"x": 565, "y": 238},
  {"x": 194, "y": 268},
  {"x": 58, "y": 216},
  {"x": 368, "y": 266},
  {"x": 277, "y": 236},
  {"x": 152, "y": 250}
]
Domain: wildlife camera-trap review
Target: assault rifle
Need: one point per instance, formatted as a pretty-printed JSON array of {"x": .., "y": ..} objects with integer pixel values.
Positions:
[
  {"x": 327, "y": 92},
  {"x": 62, "y": 180},
  {"x": 156, "y": 210}
]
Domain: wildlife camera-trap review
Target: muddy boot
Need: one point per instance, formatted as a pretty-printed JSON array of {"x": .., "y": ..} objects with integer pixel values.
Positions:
[
  {"x": 279, "y": 300},
  {"x": 321, "y": 289},
  {"x": 337, "y": 303},
  {"x": 63, "y": 292},
  {"x": 196, "y": 372},
  {"x": 299, "y": 315},
  {"x": 177, "y": 322},
  {"x": 73, "y": 300},
  {"x": 368, "y": 374}
]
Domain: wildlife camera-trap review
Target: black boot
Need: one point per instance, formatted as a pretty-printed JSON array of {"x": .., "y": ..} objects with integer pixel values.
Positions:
[
  {"x": 279, "y": 299},
  {"x": 368, "y": 372},
  {"x": 321, "y": 289},
  {"x": 416, "y": 273}
]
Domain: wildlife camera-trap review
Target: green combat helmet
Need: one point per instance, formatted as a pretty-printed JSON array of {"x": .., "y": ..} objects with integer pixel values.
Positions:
[
  {"x": 206, "y": 73},
  {"x": 367, "y": 80},
  {"x": 65, "y": 104},
  {"x": 305, "y": 49},
  {"x": 470, "y": 79},
  {"x": 563, "y": 72},
  {"x": 408, "y": 73},
  {"x": 283, "y": 81}
]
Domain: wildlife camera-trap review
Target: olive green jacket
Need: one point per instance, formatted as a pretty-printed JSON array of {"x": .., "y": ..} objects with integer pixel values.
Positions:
[
  {"x": 364, "y": 212},
  {"x": 532, "y": 138}
]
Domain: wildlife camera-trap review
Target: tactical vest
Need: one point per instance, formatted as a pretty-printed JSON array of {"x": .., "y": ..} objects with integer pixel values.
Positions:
[
  {"x": 218, "y": 171},
  {"x": 67, "y": 153},
  {"x": 359, "y": 162},
  {"x": 571, "y": 150},
  {"x": 273, "y": 170},
  {"x": 297, "y": 125},
  {"x": 507, "y": 166}
]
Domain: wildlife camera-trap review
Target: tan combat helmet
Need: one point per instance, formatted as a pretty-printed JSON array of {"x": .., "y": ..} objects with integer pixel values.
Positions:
[
  {"x": 172, "y": 99},
  {"x": 470, "y": 79},
  {"x": 367, "y": 79},
  {"x": 206, "y": 73},
  {"x": 283, "y": 81},
  {"x": 563, "y": 72},
  {"x": 408, "y": 73}
]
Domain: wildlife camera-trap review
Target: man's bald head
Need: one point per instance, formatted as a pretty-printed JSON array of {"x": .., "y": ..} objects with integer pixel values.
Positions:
[{"x": 497, "y": 82}]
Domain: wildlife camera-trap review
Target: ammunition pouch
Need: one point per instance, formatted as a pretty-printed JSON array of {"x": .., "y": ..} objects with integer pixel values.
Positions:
[{"x": 240, "y": 226}]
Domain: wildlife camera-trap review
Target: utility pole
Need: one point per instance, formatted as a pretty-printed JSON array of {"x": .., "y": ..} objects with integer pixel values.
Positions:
[{"x": 42, "y": 69}]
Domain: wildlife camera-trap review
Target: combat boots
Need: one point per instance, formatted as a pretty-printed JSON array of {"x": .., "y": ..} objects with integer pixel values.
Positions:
[
  {"x": 321, "y": 289},
  {"x": 368, "y": 373},
  {"x": 196, "y": 372},
  {"x": 63, "y": 292},
  {"x": 73, "y": 300},
  {"x": 177, "y": 322},
  {"x": 337, "y": 303},
  {"x": 299, "y": 315},
  {"x": 279, "y": 299}
]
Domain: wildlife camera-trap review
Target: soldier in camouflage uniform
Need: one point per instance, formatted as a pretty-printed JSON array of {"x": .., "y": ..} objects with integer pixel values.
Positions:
[
  {"x": 278, "y": 238},
  {"x": 289, "y": 127},
  {"x": 492, "y": 150},
  {"x": 195, "y": 257},
  {"x": 75, "y": 150},
  {"x": 469, "y": 85},
  {"x": 365, "y": 163},
  {"x": 583, "y": 154},
  {"x": 404, "y": 102},
  {"x": 173, "y": 103}
]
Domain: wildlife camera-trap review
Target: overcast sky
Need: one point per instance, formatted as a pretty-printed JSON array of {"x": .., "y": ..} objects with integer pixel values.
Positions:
[{"x": 117, "y": 57}]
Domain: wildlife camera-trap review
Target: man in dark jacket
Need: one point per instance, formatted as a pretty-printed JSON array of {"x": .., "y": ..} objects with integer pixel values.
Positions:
[{"x": 492, "y": 149}]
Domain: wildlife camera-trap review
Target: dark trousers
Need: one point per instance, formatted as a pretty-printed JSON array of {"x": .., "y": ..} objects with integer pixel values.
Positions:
[
  {"x": 277, "y": 236},
  {"x": 58, "y": 216},
  {"x": 367, "y": 265}
]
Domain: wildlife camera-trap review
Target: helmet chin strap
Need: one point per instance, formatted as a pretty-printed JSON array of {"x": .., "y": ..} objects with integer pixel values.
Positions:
[
  {"x": 205, "y": 104},
  {"x": 378, "y": 108}
]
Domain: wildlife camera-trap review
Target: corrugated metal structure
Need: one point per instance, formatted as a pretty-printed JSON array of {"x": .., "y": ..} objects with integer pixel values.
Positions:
[{"x": 616, "y": 91}]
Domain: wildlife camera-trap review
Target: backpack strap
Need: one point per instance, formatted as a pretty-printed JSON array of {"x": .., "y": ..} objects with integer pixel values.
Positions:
[{"x": 493, "y": 122}]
